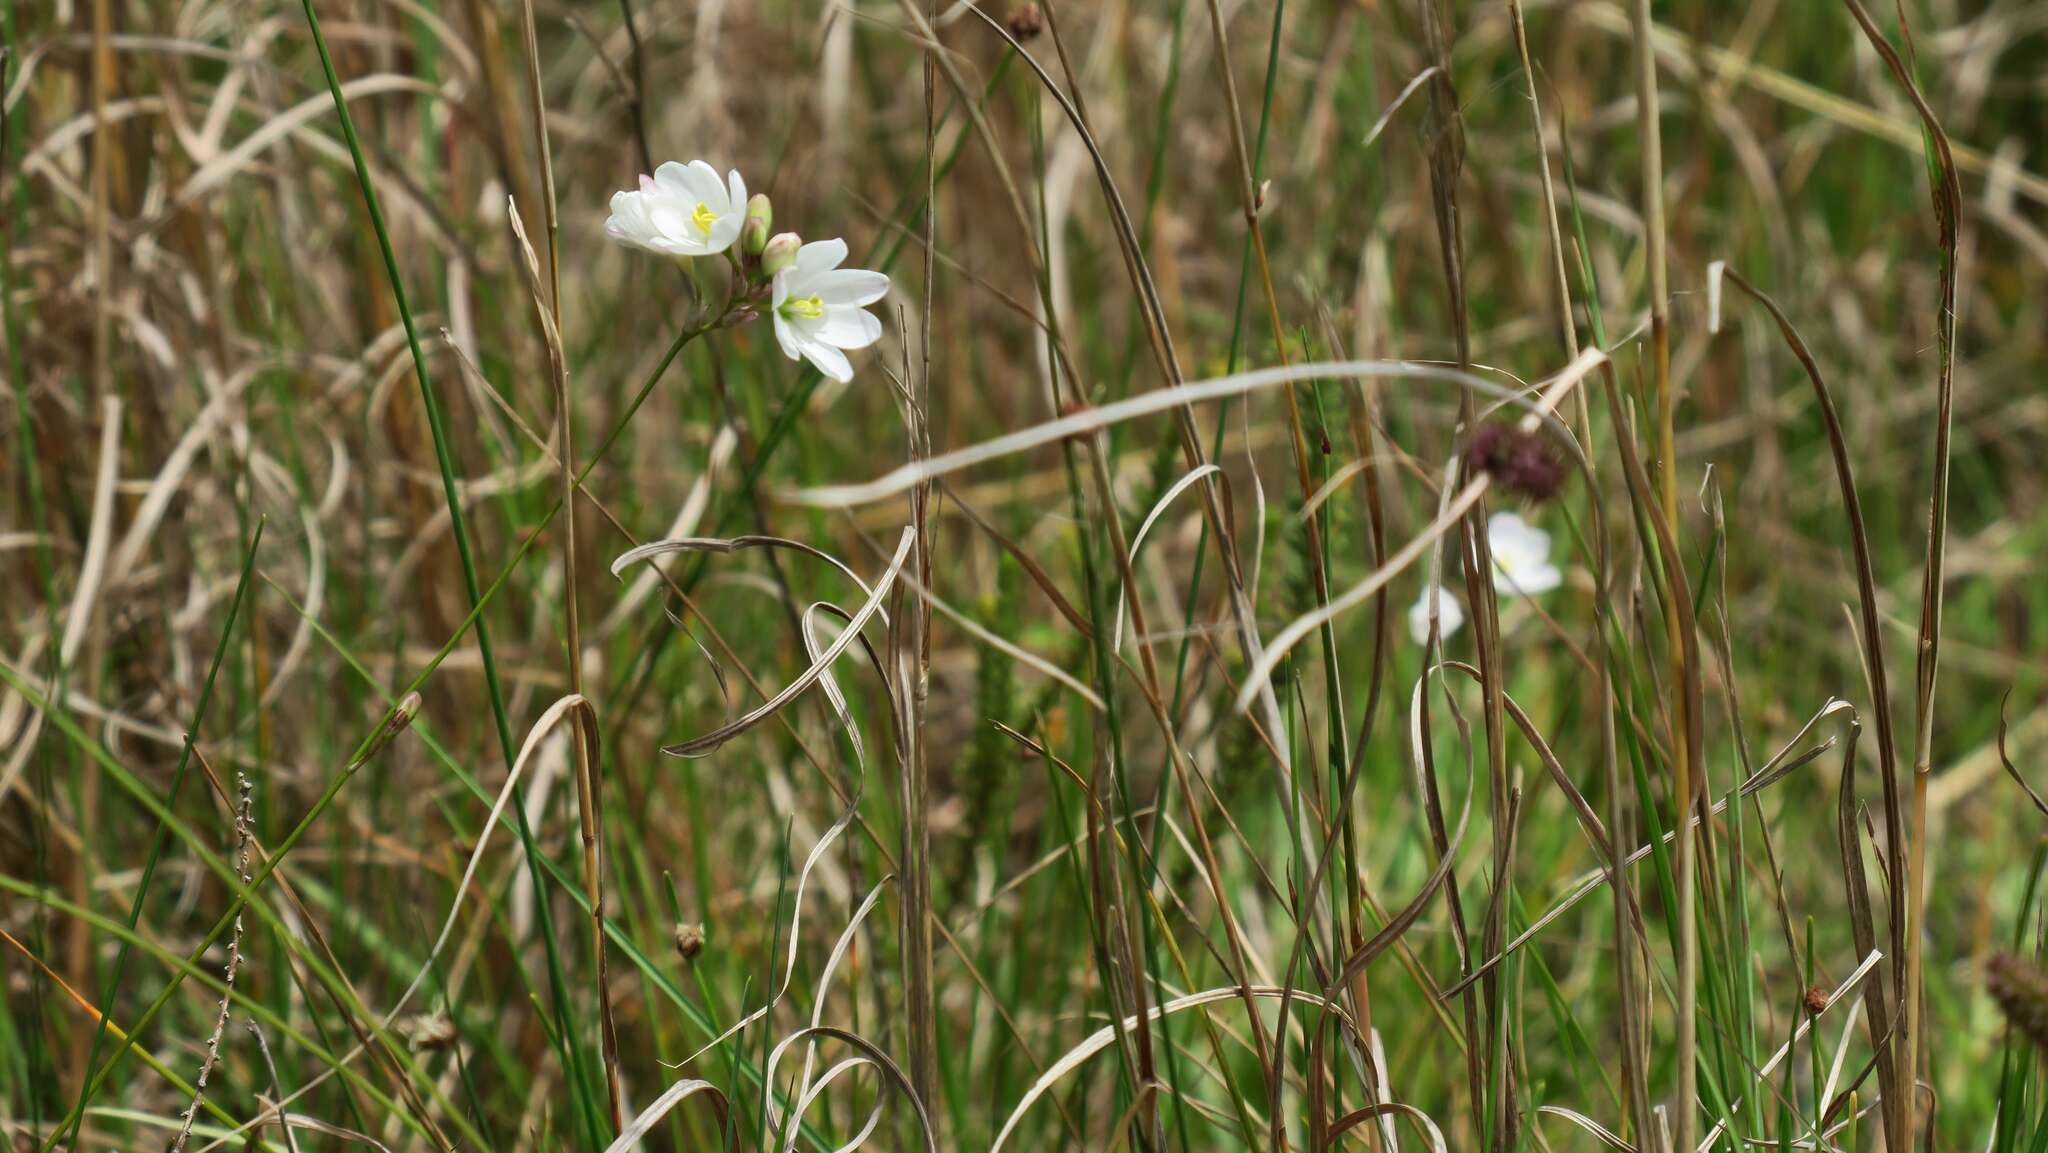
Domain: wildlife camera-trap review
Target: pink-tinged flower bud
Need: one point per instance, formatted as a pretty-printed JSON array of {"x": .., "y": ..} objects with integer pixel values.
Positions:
[
  {"x": 754, "y": 233},
  {"x": 780, "y": 252}
]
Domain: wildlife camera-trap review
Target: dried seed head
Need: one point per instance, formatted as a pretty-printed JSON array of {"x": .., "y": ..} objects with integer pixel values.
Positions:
[
  {"x": 1816, "y": 999},
  {"x": 430, "y": 1032},
  {"x": 689, "y": 940},
  {"x": 1026, "y": 20},
  {"x": 2021, "y": 990},
  {"x": 1522, "y": 463}
]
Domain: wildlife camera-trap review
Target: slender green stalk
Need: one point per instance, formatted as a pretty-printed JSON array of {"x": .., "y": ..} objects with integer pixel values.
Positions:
[
  {"x": 458, "y": 528},
  {"x": 69, "y": 1126}
]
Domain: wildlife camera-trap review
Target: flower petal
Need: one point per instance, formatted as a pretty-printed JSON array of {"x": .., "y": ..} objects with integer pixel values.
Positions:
[
  {"x": 1517, "y": 541},
  {"x": 816, "y": 257},
  {"x": 1528, "y": 580},
  {"x": 853, "y": 286},
  {"x": 830, "y": 361},
  {"x": 628, "y": 222},
  {"x": 736, "y": 192},
  {"x": 696, "y": 183},
  {"x": 848, "y": 328},
  {"x": 671, "y": 220},
  {"x": 670, "y": 179},
  {"x": 724, "y": 230},
  {"x": 786, "y": 336},
  {"x": 1450, "y": 616}
]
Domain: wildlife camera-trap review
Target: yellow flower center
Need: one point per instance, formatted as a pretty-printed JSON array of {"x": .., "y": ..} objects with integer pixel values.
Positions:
[
  {"x": 704, "y": 218},
  {"x": 808, "y": 307}
]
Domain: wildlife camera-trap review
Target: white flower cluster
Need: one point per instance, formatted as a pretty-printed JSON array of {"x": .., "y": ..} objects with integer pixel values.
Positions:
[
  {"x": 1521, "y": 567},
  {"x": 820, "y": 309}
]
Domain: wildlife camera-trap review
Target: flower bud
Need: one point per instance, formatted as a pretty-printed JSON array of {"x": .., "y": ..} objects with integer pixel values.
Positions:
[
  {"x": 689, "y": 940},
  {"x": 754, "y": 233},
  {"x": 780, "y": 252}
]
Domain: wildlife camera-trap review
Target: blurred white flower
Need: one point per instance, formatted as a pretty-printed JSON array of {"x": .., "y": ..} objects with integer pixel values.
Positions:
[
  {"x": 1521, "y": 556},
  {"x": 682, "y": 210},
  {"x": 1450, "y": 615},
  {"x": 818, "y": 308}
]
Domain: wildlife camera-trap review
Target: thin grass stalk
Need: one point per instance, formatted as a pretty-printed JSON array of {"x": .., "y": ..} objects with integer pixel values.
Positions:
[
  {"x": 1946, "y": 192},
  {"x": 1110, "y": 744},
  {"x": 1649, "y": 130},
  {"x": 1243, "y": 616},
  {"x": 589, "y": 785},
  {"x": 457, "y": 520},
  {"x": 1870, "y": 630},
  {"x": 1685, "y": 741},
  {"x": 636, "y": 100},
  {"x": 46, "y": 899},
  {"x": 1567, "y": 330},
  {"x": 1249, "y": 205},
  {"x": 29, "y": 463},
  {"x": 74, "y": 1121},
  {"x": 1231, "y": 362},
  {"x": 914, "y": 675},
  {"x": 101, "y": 222},
  {"x": 1633, "y": 1014},
  {"x": 537, "y": 108},
  {"x": 245, "y": 815},
  {"x": 1446, "y": 161},
  {"x": 1108, "y": 929}
]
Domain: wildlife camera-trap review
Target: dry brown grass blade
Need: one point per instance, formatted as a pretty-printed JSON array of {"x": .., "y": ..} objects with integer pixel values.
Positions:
[
  {"x": 697, "y": 746},
  {"x": 1778, "y": 769},
  {"x": 1869, "y": 624},
  {"x": 589, "y": 787},
  {"x": 2005, "y": 760},
  {"x": 1160, "y": 339},
  {"x": 1946, "y": 191},
  {"x": 1878, "y": 1000}
]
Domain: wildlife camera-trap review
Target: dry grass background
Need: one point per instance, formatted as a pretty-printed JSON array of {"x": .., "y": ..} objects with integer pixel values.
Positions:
[{"x": 984, "y": 835}]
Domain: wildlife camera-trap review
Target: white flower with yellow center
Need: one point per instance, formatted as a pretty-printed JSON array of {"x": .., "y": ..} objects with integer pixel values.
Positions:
[
  {"x": 1521, "y": 556},
  {"x": 682, "y": 210},
  {"x": 819, "y": 307}
]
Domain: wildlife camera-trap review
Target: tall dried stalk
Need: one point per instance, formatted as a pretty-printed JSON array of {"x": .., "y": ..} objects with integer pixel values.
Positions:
[
  {"x": 583, "y": 735},
  {"x": 1946, "y": 192},
  {"x": 1682, "y": 673}
]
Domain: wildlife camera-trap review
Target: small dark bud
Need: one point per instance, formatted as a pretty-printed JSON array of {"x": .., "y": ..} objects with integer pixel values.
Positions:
[
  {"x": 1522, "y": 463},
  {"x": 1026, "y": 20},
  {"x": 1816, "y": 999},
  {"x": 689, "y": 940},
  {"x": 2021, "y": 990}
]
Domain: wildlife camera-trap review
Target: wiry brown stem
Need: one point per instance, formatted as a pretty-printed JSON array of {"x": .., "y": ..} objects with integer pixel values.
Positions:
[{"x": 583, "y": 740}]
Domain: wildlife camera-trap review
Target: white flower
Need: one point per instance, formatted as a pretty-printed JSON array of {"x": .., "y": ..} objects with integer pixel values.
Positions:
[
  {"x": 682, "y": 210},
  {"x": 1450, "y": 615},
  {"x": 1521, "y": 556},
  {"x": 818, "y": 308}
]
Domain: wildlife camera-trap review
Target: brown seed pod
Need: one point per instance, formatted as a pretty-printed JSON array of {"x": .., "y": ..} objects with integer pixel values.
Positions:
[
  {"x": 1025, "y": 21},
  {"x": 1521, "y": 463},
  {"x": 2021, "y": 990},
  {"x": 689, "y": 940},
  {"x": 430, "y": 1032}
]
